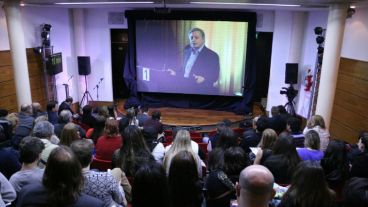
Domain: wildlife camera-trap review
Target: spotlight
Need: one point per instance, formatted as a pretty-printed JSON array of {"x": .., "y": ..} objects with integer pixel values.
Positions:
[
  {"x": 46, "y": 27},
  {"x": 320, "y": 49},
  {"x": 46, "y": 42},
  {"x": 320, "y": 39},
  {"x": 351, "y": 12},
  {"x": 45, "y": 35},
  {"x": 37, "y": 50},
  {"x": 318, "y": 30},
  {"x": 320, "y": 59}
]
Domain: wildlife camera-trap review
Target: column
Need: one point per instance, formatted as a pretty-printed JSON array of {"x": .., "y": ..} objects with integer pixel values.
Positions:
[
  {"x": 18, "y": 51},
  {"x": 297, "y": 37},
  {"x": 331, "y": 61}
]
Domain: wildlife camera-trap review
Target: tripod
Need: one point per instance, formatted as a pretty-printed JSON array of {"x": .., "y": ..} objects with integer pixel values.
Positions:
[
  {"x": 86, "y": 93},
  {"x": 289, "y": 106}
]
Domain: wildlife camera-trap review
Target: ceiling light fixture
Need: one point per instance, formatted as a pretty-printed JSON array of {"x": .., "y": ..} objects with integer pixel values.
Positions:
[
  {"x": 105, "y": 2},
  {"x": 245, "y": 4}
]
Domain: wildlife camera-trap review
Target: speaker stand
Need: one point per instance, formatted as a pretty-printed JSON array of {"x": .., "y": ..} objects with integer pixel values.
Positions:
[{"x": 86, "y": 95}]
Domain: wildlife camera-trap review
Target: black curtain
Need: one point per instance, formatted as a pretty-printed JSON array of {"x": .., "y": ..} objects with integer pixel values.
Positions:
[{"x": 239, "y": 105}]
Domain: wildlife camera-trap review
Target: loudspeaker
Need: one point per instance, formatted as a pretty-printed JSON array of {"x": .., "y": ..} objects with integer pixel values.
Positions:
[
  {"x": 291, "y": 73},
  {"x": 84, "y": 65}
]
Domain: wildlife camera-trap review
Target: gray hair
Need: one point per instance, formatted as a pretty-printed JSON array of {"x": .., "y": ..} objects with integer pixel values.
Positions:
[
  {"x": 65, "y": 116},
  {"x": 43, "y": 129},
  {"x": 26, "y": 108}
]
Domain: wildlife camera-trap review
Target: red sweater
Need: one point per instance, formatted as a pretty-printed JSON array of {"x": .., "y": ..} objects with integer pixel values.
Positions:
[{"x": 106, "y": 146}]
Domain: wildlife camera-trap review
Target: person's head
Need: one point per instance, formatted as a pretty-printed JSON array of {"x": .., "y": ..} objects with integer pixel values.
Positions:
[
  {"x": 335, "y": 157},
  {"x": 30, "y": 149},
  {"x": 87, "y": 110},
  {"x": 43, "y": 130},
  {"x": 103, "y": 111},
  {"x": 36, "y": 107},
  {"x": 221, "y": 125},
  {"x": 227, "y": 138},
  {"x": 14, "y": 120},
  {"x": 83, "y": 150},
  {"x": 262, "y": 124},
  {"x": 98, "y": 127},
  {"x": 150, "y": 182},
  {"x": 150, "y": 134},
  {"x": 255, "y": 187},
  {"x": 123, "y": 123},
  {"x": 363, "y": 144},
  {"x": 235, "y": 160},
  {"x": 144, "y": 109},
  {"x": 284, "y": 145},
  {"x": 293, "y": 125},
  {"x": 69, "y": 134},
  {"x": 69, "y": 100},
  {"x": 156, "y": 115},
  {"x": 317, "y": 120},
  {"x": 282, "y": 109},
  {"x": 51, "y": 106},
  {"x": 196, "y": 38},
  {"x": 3, "y": 112},
  {"x": 133, "y": 144},
  {"x": 311, "y": 140},
  {"x": 274, "y": 111},
  {"x": 63, "y": 177},
  {"x": 65, "y": 116},
  {"x": 130, "y": 113},
  {"x": 309, "y": 187},
  {"x": 355, "y": 192},
  {"x": 26, "y": 108},
  {"x": 183, "y": 179},
  {"x": 111, "y": 128},
  {"x": 41, "y": 118},
  {"x": 111, "y": 109},
  {"x": 269, "y": 137}
]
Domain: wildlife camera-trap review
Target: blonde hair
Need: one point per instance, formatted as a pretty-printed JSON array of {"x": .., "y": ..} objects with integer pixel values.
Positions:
[
  {"x": 317, "y": 120},
  {"x": 14, "y": 120},
  {"x": 182, "y": 142},
  {"x": 269, "y": 137},
  {"x": 69, "y": 134}
]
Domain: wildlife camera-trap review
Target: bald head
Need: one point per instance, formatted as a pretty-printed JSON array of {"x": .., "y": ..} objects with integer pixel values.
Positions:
[{"x": 256, "y": 186}]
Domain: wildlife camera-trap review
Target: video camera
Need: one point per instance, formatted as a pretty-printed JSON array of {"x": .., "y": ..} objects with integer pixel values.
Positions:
[{"x": 290, "y": 92}]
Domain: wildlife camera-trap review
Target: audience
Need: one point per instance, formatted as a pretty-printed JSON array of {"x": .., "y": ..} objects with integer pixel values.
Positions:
[
  {"x": 101, "y": 185},
  {"x": 65, "y": 117},
  {"x": 25, "y": 125},
  {"x": 133, "y": 153},
  {"x": 252, "y": 137},
  {"x": 157, "y": 148},
  {"x": 220, "y": 183},
  {"x": 150, "y": 186},
  {"x": 44, "y": 130},
  {"x": 185, "y": 188},
  {"x": 155, "y": 122},
  {"x": 182, "y": 142},
  {"x": 215, "y": 138},
  {"x": 66, "y": 105},
  {"x": 87, "y": 117},
  {"x": 308, "y": 188},
  {"x": 36, "y": 110},
  {"x": 265, "y": 146},
  {"x": 69, "y": 134},
  {"x": 283, "y": 160},
  {"x": 52, "y": 112},
  {"x": 97, "y": 130},
  {"x": 143, "y": 115},
  {"x": 317, "y": 124},
  {"x": 255, "y": 187},
  {"x": 109, "y": 142},
  {"x": 30, "y": 149},
  {"x": 62, "y": 184},
  {"x": 131, "y": 115},
  {"x": 356, "y": 192},
  {"x": 312, "y": 146},
  {"x": 7, "y": 192},
  {"x": 359, "y": 166}
]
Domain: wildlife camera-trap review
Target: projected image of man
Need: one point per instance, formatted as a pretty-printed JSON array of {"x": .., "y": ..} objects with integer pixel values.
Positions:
[{"x": 201, "y": 65}]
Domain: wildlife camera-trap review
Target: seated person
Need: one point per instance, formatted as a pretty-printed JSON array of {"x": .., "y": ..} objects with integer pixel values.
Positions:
[
  {"x": 311, "y": 150},
  {"x": 359, "y": 166},
  {"x": 251, "y": 138},
  {"x": 109, "y": 142},
  {"x": 7, "y": 192}
]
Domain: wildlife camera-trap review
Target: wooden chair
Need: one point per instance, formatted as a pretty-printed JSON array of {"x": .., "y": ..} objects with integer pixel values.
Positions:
[{"x": 101, "y": 165}]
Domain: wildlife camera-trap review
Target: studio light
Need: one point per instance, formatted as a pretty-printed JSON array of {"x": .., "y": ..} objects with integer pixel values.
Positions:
[
  {"x": 318, "y": 30},
  {"x": 320, "y": 49},
  {"x": 45, "y": 35},
  {"x": 46, "y": 27},
  {"x": 320, "y": 39}
]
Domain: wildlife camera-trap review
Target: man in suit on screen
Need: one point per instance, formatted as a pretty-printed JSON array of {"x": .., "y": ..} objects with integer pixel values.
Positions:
[{"x": 201, "y": 67}]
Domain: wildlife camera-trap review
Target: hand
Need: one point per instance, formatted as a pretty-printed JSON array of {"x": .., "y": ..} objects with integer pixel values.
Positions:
[
  {"x": 172, "y": 72},
  {"x": 199, "y": 79}
]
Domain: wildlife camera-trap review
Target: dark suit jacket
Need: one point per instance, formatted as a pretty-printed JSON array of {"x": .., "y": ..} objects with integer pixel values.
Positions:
[{"x": 206, "y": 65}]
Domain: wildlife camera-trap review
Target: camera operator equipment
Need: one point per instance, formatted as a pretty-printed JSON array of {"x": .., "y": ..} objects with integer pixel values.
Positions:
[
  {"x": 290, "y": 93},
  {"x": 291, "y": 77}
]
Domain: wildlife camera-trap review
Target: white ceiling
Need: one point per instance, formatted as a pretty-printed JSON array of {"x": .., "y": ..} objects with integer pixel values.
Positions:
[{"x": 305, "y": 4}]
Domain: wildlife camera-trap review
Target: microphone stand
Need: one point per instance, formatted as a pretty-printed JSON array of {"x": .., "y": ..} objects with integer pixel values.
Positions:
[{"x": 98, "y": 86}]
